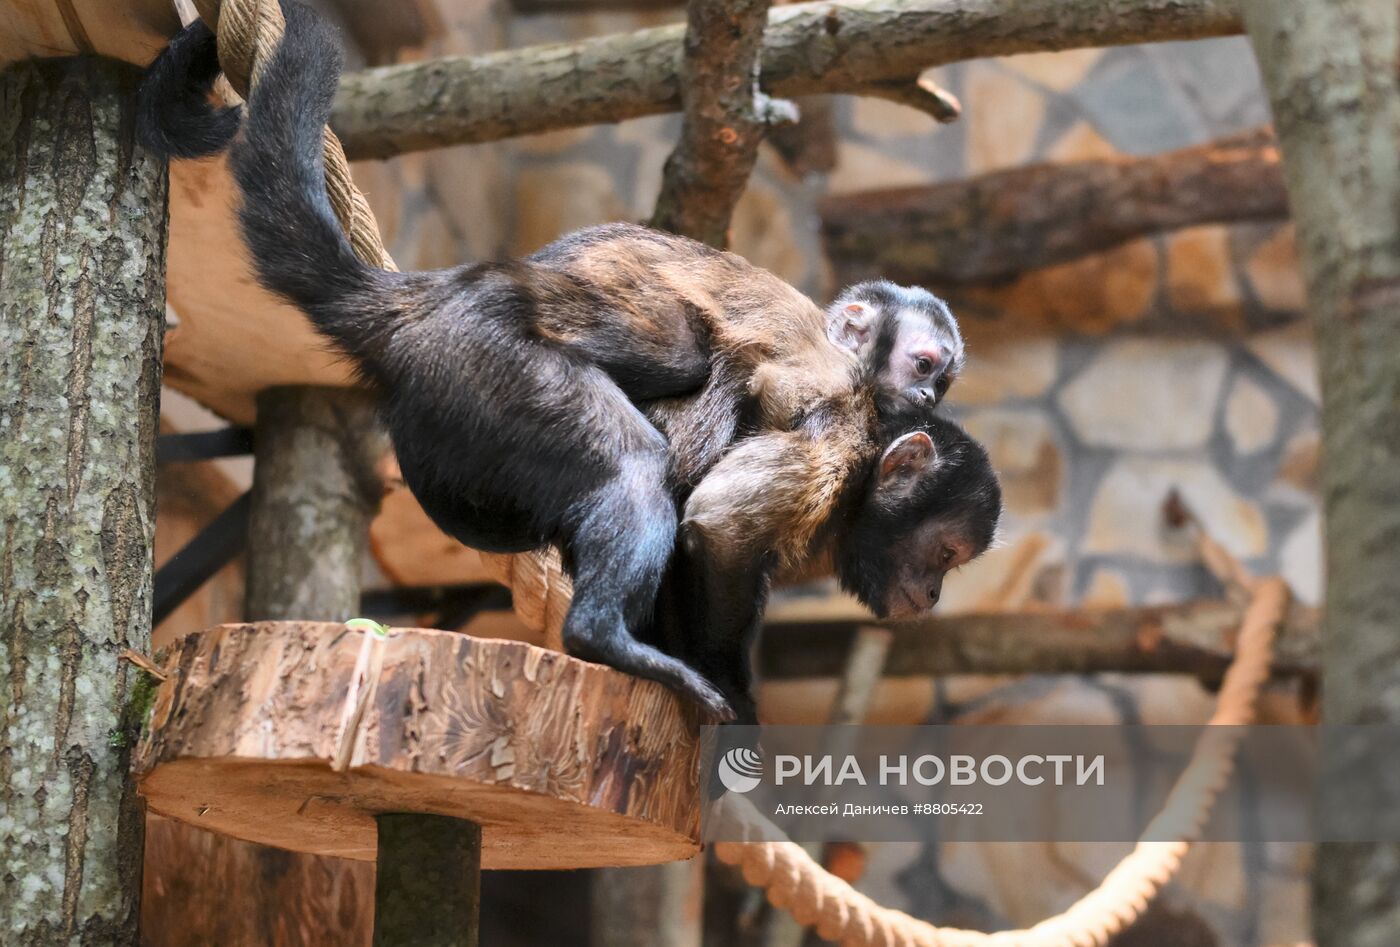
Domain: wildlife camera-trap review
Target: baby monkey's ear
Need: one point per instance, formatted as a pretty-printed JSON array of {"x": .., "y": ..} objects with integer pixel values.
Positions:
[
  {"x": 848, "y": 325},
  {"x": 907, "y": 459}
]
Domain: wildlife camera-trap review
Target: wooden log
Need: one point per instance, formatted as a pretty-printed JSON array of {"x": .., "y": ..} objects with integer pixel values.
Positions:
[
  {"x": 999, "y": 225},
  {"x": 808, "y": 48},
  {"x": 564, "y": 764},
  {"x": 314, "y": 491},
  {"x": 725, "y": 117},
  {"x": 82, "y": 293},
  {"x": 1187, "y": 638},
  {"x": 129, "y": 30}
]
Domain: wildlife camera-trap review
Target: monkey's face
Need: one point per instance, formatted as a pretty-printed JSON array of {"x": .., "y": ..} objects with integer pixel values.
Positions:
[
  {"x": 932, "y": 505},
  {"x": 906, "y": 338},
  {"x": 919, "y": 563}
]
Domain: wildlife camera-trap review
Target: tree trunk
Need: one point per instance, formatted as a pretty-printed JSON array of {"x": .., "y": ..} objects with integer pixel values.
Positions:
[
  {"x": 655, "y": 906},
  {"x": 1331, "y": 70},
  {"x": 726, "y": 115},
  {"x": 82, "y": 310},
  {"x": 314, "y": 493}
]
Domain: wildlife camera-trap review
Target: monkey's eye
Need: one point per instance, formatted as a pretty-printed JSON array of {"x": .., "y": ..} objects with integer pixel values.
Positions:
[
  {"x": 923, "y": 365},
  {"x": 941, "y": 386},
  {"x": 949, "y": 554}
]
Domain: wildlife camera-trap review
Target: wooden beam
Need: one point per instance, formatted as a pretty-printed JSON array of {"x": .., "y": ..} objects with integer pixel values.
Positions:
[
  {"x": 808, "y": 48},
  {"x": 999, "y": 225},
  {"x": 1189, "y": 638}
]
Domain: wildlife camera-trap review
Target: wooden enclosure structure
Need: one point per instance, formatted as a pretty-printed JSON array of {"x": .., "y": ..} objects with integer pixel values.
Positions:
[{"x": 1337, "y": 140}]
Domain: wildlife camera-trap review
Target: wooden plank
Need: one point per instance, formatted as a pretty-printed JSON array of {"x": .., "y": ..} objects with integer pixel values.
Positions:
[
  {"x": 129, "y": 30},
  {"x": 232, "y": 339}
]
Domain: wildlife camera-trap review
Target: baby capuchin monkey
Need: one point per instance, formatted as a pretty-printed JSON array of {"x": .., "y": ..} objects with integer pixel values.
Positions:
[{"x": 905, "y": 334}]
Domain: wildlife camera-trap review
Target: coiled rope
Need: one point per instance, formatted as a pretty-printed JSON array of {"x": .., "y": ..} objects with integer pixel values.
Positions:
[{"x": 248, "y": 32}]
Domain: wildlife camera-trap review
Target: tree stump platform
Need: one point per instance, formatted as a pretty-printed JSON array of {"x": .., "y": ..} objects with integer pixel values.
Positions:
[{"x": 285, "y": 734}]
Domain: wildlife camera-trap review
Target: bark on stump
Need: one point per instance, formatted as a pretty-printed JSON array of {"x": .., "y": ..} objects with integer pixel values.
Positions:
[
  {"x": 1331, "y": 71},
  {"x": 82, "y": 310}
]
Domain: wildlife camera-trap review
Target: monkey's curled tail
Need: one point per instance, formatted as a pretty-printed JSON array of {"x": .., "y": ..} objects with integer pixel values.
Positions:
[
  {"x": 174, "y": 116},
  {"x": 296, "y": 244}
]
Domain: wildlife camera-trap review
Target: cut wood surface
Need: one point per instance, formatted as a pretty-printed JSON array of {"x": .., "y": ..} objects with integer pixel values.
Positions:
[
  {"x": 564, "y": 764},
  {"x": 130, "y": 30}
]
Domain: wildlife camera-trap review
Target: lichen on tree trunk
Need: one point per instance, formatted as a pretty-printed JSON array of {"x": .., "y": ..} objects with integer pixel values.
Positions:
[
  {"x": 1333, "y": 74},
  {"x": 82, "y": 309}
]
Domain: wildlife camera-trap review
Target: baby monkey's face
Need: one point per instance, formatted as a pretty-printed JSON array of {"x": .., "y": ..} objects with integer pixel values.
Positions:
[{"x": 904, "y": 336}]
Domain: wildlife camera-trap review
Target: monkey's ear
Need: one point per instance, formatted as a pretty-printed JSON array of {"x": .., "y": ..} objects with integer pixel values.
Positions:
[
  {"x": 849, "y": 326},
  {"x": 908, "y": 457}
]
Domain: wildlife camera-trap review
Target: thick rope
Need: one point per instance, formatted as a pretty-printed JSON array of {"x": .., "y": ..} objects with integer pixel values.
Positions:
[
  {"x": 248, "y": 32},
  {"x": 799, "y": 885}
]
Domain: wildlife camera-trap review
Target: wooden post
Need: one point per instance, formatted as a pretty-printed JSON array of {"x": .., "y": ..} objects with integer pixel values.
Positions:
[
  {"x": 427, "y": 890},
  {"x": 314, "y": 493},
  {"x": 655, "y": 906},
  {"x": 1333, "y": 75},
  {"x": 82, "y": 311}
]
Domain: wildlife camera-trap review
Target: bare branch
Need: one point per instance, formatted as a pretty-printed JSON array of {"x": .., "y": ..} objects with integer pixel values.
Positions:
[
  {"x": 1189, "y": 638},
  {"x": 920, "y": 93},
  {"x": 808, "y": 48},
  {"x": 1002, "y": 224},
  {"x": 725, "y": 117}
]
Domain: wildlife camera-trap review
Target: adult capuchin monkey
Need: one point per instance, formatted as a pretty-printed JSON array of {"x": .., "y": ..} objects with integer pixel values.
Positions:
[{"x": 511, "y": 390}]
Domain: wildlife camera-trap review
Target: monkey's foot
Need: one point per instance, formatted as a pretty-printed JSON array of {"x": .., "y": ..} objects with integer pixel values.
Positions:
[{"x": 627, "y": 654}]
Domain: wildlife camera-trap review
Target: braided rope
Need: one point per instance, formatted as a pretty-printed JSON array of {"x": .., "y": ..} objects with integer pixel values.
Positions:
[
  {"x": 796, "y": 883},
  {"x": 249, "y": 31}
]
